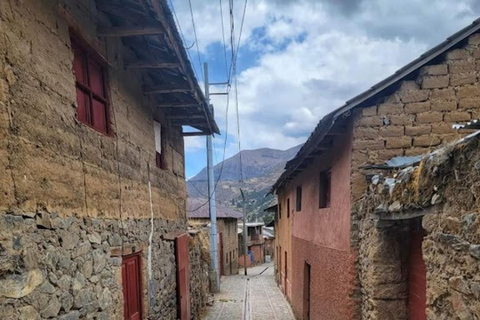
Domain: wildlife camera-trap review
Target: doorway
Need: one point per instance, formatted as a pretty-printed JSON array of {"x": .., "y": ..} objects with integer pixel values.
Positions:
[
  {"x": 220, "y": 256},
  {"x": 417, "y": 279},
  {"x": 132, "y": 287},
  {"x": 306, "y": 292}
]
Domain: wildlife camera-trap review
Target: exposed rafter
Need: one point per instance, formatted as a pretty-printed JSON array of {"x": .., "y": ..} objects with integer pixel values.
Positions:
[
  {"x": 162, "y": 90},
  {"x": 177, "y": 105},
  {"x": 152, "y": 65},
  {"x": 129, "y": 31}
]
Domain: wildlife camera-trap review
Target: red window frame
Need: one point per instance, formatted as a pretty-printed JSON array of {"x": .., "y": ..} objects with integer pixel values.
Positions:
[{"x": 91, "y": 83}]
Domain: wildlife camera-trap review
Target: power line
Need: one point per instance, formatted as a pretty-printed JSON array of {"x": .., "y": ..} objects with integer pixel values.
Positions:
[
  {"x": 223, "y": 35},
  {"x": 195, "y": 34},
  {"x": 183, "y": 39}
]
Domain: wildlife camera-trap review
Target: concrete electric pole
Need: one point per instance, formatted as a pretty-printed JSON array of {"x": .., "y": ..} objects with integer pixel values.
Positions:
[{"x": 211, "y": 197}]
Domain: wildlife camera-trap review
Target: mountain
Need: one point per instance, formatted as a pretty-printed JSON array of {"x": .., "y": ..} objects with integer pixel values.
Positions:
[{"x": 261, "y": 168}]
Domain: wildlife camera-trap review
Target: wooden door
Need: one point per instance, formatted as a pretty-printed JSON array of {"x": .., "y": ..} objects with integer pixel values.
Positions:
[
  {"x": 220, "y": 256},
  {"x": 286, "y": 271},
  {"x": 231, "y": 264},
  {"x": 417, "y": 280},
  {"x": 131, "y": 282},
  {"x": 306, "y": 292},
  {"x": 183, "y": 277}
]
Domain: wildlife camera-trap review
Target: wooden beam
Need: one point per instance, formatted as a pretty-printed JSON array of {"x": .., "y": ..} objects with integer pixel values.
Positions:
[
  {"x": 163, "y": 90},
  {"x": 152, "y": 64},
  {"x": 181, "y": 117},
  {"x": 128, "y": 31},
  {"x": 193, "y": 134},
  {"x": 177, "y": 105}
]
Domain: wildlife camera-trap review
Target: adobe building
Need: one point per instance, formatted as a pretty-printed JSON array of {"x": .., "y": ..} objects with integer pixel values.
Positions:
[
  {"x": 407, "y": 114},
  {"x": 93, "y": 96},
  {"x": 255, "y": 244},
  {"x": 227, "y": 220}
]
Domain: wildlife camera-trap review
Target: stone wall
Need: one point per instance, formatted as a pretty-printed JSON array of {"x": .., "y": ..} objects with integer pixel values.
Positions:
[
  {"x": 70, "y": 268},
  {"x": 73, "y": 200},
  {"x": 199, "y": 256},
  {"x": 443, "y": 189}
]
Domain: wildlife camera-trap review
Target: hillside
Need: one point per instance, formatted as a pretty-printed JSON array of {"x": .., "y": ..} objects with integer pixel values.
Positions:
[{"x": 261, "y": 168}]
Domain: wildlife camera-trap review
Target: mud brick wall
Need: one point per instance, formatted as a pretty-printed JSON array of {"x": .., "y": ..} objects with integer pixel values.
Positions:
[
  {"x": 65, "y": 188},
  {"x": 444, "y": 188},
  {"x": 228, "y": 228},
  {"x": 418, "y": 116}
]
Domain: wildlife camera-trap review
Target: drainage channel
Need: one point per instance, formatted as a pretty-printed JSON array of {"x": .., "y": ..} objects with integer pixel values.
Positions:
[{"x": 247, "y": 308}]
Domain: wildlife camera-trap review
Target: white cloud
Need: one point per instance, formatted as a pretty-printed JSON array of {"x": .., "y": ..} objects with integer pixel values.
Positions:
[{"x": 311, "y": 56}]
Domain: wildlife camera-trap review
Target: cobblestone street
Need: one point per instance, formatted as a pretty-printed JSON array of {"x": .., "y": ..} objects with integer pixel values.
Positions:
[{"x": 264, "y": 299}]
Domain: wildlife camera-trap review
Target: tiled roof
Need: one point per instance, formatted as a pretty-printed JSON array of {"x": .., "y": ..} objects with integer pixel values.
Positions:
[{"x": 197, "y": 208}]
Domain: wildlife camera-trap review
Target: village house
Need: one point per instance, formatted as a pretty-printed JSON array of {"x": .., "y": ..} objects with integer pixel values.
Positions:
[
  {"x": 227, "y": 221},
  {"x": 93, "y": 97},
  {"x": 320, "y": 258},
  {"x": 255, "y": 244}
]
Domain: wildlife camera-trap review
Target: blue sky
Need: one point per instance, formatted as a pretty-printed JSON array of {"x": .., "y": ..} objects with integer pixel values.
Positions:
[{"x": 300, "y": 59}]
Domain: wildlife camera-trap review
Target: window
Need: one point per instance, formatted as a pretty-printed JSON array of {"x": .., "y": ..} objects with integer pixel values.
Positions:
[
  {"x": 226, "y": 257},
  {"x": 288, "y": 208},
  {"x": 324, "y": 189},
  {"x": 279, "y": 211},
  {"x": 91, "y": 86},
  {"x": 157, "y": 126},
  {"x": 298, "y": 205}
]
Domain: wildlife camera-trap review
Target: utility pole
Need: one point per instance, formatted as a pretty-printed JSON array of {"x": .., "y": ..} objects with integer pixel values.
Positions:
[
  {"x": 245, "y": 233},
  {"x": 211, "y": 196}
]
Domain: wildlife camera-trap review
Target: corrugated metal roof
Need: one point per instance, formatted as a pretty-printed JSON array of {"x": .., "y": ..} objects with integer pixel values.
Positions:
[
  {"x": 374, "y": 92},
  {"x": 197, "y": 208}
]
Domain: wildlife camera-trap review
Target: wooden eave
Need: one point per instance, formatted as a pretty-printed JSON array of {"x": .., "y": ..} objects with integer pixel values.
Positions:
[{"x": 148, "y": 29}]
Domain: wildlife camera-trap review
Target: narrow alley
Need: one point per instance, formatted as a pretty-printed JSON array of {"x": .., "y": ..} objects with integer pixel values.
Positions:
[{"x": 257, "y": 294}]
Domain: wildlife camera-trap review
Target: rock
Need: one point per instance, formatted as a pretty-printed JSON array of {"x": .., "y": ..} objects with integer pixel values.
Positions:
[
  {"x": 87, "y": 269},
  {"x": 395, "y": 206},
  {"x": 95, "y": 238},
  {"x": 37, "y": 299},
  {"x": 475, "y": 251},
  {"x": 461, "y": 309},
  {"x": 82, "y": 298},
  {"x": 78, "y": 282},
  {"x": 69, "y": 240},
  {"x": 475, "y": 289},
  {"x": 64, "y": 282},
  {"x": 66, "y": 299},
  {"x": 18, "y": 286},
  {"x": 74, "y": 315},
  {"x": 47, "y": 287},
  {"x": 83, "y": 248},
  {"x": 106, "y": 299},
  {"x": 115, "y": 240},
  {"x": 43, "y": 220},
  {"x": 28, "y": 313},
  {"x": 52, "y": 309},
  {"x": 469, "y": 220},
  {"x": 459, "y": 284},
  {"x": 99, "y": 260}
]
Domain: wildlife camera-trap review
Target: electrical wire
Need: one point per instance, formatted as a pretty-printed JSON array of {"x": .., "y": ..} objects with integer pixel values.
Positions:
[
  {"x": 184, "y": 41},
  {"x": 223, "y": 36},
  {"x": 195, "y": 34}
]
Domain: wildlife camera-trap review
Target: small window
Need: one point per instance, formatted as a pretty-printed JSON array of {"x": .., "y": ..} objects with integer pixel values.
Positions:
[
  {"x": 324, "y": 189},
  {"x": 226, "y": 257},
  {"x": 91, "y": 86},
  {"x": 158, "y": 145},
  {"x": 288, "y": 208},
  {"x": 298, "y": 206},
  {"x": 279, "y": 211}
]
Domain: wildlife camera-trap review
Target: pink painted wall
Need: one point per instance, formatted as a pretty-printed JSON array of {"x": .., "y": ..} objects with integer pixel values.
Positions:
[{"x": 328, "y": 227}]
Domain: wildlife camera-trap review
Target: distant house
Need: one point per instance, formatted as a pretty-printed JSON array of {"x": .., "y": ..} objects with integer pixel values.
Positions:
[
  {"x": 255, "y": 244},
  {"x": 324, "y": 269},
  {"x": 269, "y": 237},
  {"x": 227, "y": 220}
]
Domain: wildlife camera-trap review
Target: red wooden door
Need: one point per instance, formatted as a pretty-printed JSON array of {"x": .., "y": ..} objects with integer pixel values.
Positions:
[
  {"x": 417, "y": 280},
  {"x": 183, "y": 277},
  {"x": 132, "y": 293},
  {"x": 220, "y": 256}
]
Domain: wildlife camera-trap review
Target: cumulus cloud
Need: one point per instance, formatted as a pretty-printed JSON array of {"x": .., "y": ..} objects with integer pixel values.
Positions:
[{"x": 304, "y": 58}]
